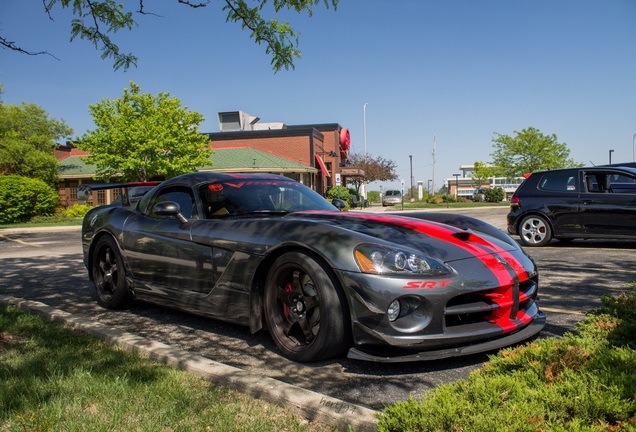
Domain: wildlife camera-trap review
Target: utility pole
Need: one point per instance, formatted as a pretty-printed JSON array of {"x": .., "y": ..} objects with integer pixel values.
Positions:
[
  {"x": 411, "y": 164},
  {"x": 433, "y": 188}
]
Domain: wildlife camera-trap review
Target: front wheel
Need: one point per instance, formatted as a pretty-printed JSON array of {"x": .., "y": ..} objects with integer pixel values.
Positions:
[
  {"x": 305, "y": 309},
  {"x": 109, "y": 275},
  {"x": 535, "y": 231}
]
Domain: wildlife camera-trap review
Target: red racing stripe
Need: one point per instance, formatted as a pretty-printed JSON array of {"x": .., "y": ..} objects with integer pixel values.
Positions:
[{"x": 476, "y": 246}]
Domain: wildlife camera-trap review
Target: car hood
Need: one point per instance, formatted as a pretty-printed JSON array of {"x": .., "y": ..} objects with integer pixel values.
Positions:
[{"x": 433, "y": 238}]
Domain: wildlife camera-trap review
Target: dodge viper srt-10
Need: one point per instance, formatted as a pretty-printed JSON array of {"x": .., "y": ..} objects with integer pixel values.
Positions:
[{"x": 268, "y": 252}]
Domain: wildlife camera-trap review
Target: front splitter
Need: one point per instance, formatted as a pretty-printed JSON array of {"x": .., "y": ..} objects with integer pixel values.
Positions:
[{"x": 534, "y": 328}]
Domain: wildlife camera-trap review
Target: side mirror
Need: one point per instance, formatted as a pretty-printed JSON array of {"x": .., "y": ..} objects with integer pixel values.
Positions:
[
  {"x": 338, "y": 203},
  {"x": 169, "y": 208}
]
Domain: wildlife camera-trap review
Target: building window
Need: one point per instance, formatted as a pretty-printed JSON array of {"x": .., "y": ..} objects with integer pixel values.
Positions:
[
  {"x": 72, "y": 193},
  {"x": 101, "y": 197}
]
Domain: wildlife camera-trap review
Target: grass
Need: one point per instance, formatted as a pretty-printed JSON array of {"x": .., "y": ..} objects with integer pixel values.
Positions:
[
  {"x": 585, "y": 381},
  {"x": 53, "y": 378},
  {"x": 45, "y": 221}
]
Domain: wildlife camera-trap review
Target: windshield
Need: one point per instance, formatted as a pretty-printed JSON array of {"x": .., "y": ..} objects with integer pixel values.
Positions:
[
  {"x": 392, "y": 193},
  {"x": 241, "y": 197}
]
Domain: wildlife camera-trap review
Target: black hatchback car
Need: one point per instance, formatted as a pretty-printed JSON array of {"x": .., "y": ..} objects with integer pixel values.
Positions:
[{"x": 590, "y": 202}]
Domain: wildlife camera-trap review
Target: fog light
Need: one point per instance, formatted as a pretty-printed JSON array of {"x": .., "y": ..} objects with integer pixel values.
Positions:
[{"x": 393, "y": 312}]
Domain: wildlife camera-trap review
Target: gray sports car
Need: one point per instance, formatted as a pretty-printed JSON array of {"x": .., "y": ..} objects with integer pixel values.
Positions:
[{"x": 268, "y": 252}]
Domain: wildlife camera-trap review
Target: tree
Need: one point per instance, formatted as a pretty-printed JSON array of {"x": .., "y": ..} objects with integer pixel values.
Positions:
[
  {"x": 27, "y": 141},
  {"x": 375, "y": 169},
  {"x": 529, "y": 151},
  {"x": 481, "y": 174},
  {"x": 141, "y": 136},
  {"x": 93, "y": 16}
]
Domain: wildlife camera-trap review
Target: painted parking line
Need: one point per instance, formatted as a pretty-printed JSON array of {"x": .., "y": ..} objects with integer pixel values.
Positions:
[{"x": 20, "y": 241}]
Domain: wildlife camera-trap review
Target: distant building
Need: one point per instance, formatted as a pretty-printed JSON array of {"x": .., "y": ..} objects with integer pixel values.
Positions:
[
  {"x": 311, "y": 154},
  {"x": 463, "y": 186}
]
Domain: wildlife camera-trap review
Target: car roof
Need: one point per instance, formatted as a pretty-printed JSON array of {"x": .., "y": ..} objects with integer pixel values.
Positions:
[
  {"x": 590, "y": 168},
  {"x": 208, "y": 176}
]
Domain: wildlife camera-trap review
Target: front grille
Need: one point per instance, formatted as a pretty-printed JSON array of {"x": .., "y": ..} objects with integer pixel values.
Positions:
[{"x": 485, "y": 306}]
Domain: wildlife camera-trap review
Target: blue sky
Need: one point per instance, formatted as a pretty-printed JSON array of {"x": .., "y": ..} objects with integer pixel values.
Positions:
[{"x": 458, "y": 70}]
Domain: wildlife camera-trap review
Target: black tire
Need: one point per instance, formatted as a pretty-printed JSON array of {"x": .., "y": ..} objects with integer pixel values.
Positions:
[
  {"x": 305, "y": 309},
  {"x": 535, "y": 231},
  {"x": 109, "y": 275}
]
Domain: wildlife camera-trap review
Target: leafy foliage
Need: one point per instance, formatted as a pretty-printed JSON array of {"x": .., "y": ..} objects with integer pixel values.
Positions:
[
  {"x": 584, "y": 381},
  {"x": 77, "y": 210},
  {"x": 529, "y": 151},
  {"x": 373, "y": 196},
  {"x": 27, "y": 141},
  {"x": 141, "y": 136},
  {"x": 481, "y": 174},
  {"x": 22, "y": 198},
  {"x": 93, "y": 16},
  {"x": 340, "y": 192},
  {"x": 375, "y": 169},
  {"x": 495, "y": 194}
]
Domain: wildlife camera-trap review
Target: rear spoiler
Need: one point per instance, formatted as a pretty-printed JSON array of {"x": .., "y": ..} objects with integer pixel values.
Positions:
[{"x": 130, "y": 192}]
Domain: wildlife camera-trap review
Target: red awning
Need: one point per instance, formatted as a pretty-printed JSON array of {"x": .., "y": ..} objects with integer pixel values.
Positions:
[{"x": 322, "y": 166}]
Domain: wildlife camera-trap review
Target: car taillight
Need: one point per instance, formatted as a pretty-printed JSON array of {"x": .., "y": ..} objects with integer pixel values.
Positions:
[{"x": 514, "y": 200}]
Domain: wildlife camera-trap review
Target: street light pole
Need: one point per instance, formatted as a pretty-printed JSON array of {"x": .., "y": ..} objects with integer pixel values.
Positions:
[
  {"x": 633, "y": 148},
  {"x": 364, "y": 140},
  {"x": 411, "y": 165},
  {"x": 610, "y": 156}
]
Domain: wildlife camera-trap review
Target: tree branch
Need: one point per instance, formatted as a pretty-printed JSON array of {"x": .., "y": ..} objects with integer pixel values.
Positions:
[{"x": 12, "y": 46}]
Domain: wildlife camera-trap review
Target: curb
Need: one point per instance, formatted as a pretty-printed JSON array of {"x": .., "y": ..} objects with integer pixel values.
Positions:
[{"x": 310, "y": 405}]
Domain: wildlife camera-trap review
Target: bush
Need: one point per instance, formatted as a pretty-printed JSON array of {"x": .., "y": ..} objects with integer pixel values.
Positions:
[
  {"x": 340, "y": 193},
  {"x": 373, "y": 196},
  {"x": 583, "y": 381},
  {"x": 435, "y": 199},
  {"x": 77, "y": 210},
  {"x": 22, "y": 198},
  {"x": 494, "y": 194}
]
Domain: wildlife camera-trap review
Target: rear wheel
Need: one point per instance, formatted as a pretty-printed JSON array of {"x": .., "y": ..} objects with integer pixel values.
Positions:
[
  {"x": 109, "y": 275},
  {"x": 305, "y": 309},
  {"x": 535, "y": 231}
]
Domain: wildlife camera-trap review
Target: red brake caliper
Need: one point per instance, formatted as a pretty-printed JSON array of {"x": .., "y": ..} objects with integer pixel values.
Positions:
[{"x": 288, "y": 289}]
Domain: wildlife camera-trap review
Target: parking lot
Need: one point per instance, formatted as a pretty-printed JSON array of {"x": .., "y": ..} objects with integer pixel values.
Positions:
[{"x": 46, "y": 266}]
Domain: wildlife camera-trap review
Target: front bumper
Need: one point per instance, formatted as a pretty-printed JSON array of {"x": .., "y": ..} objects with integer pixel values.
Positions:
[
  {"x": 383, "y": 357},
  {"x": 474, "y": 310}
]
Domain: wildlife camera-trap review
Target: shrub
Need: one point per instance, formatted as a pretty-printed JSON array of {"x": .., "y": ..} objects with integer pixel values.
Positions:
[
  {"x": 373, "y": 196},
  {"x": 338, "y": 192},
  {"x": 494, "y": 194},
  {"x": 77, "y": 210},
  {"x": 583, "y": 381},
  {"x": 22, "y": 198},
  {"x": 435, "y": 199}
]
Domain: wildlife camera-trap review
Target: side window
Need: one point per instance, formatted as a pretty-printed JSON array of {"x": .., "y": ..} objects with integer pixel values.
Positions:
[
  {"x": 181, "y": 196},
  {"x": 622, "y": 183},
  {"x": 559, "y": 182}
]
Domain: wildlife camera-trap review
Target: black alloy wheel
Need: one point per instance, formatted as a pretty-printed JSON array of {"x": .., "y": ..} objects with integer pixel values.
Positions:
[
  {"x": 305, "y": 309},
  {"x": 109, "y": 275}
]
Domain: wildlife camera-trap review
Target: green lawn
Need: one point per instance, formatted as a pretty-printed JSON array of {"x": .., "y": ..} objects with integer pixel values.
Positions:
[{"x": 53, "y": 378}]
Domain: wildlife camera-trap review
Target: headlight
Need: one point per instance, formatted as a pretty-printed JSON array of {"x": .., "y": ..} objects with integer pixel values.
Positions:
[{"x": 383, "y": 260}]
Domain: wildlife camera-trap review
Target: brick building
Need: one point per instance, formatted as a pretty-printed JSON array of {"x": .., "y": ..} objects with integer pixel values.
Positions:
[{"x": 311, "y": 154}]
